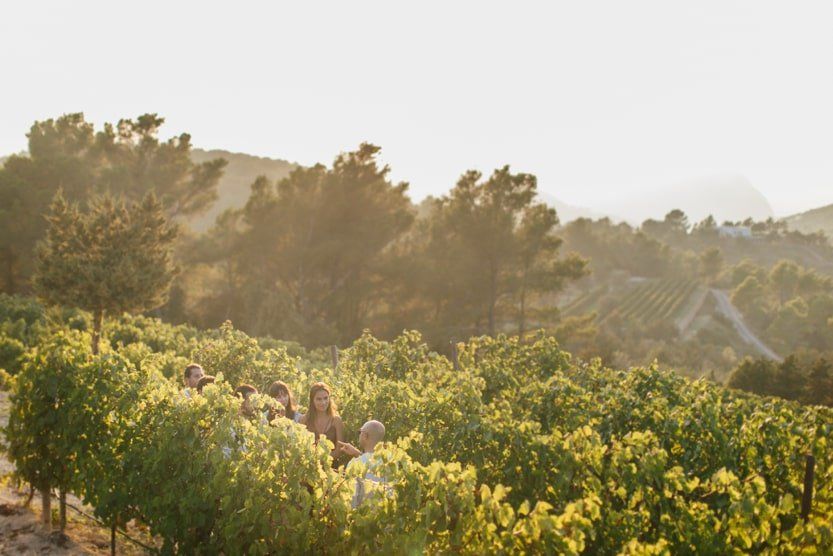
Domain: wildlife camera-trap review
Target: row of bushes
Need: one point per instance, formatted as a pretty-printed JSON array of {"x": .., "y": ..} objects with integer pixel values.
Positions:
[
  {"x": 125, "y": 439},
  {"x": 591, "y": 460}
]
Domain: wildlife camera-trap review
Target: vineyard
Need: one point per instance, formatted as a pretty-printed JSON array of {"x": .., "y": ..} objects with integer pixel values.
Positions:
[
  {"x": 586, "y": 302},
  {"x": 656, "y": 299},
  {"x": 649, "y": 300},
  {"x": 519, "y": 449}
]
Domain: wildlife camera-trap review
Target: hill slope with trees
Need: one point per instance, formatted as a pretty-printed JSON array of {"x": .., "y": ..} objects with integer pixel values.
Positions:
[
  {"x": 819, "y": 219},
  {"x": 318, "y": 254},
  {"x": 234, "y": 186}
]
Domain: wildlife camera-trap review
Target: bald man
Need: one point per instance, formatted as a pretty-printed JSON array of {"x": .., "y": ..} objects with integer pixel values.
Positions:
[{"x": 370, "y": 435}]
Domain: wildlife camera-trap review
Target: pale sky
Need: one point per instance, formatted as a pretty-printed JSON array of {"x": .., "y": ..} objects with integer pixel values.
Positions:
[{"x": 598, "y": 99}]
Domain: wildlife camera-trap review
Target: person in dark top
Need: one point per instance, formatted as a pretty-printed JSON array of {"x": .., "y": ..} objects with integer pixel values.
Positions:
[{"x": 322, "y": 418}]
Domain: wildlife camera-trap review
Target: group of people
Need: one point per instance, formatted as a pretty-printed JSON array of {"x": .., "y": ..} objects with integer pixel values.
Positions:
[{"x": 322, "y": 418}]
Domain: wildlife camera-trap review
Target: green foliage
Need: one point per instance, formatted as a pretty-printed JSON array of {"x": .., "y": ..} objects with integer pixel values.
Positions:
[
  {"x": 304, "y": 256},
  {"x": 615, "y": 247},
  {"x": 11, "y": 354},
  {"x": 103, "y": 407},
  {"x": 7, "y": 381},
  {"x": 159, "y": 337},
  {"x": 490, "y": 251},
  {"x": 318, "y": 254},
  {"x": 15, "y": 310},
  {"x": 519, "y": 450},
  {"x": 667, "y": 250},
  {"x": 67, "y": 154},
  {"x": 439, "y": 508},
  {"x": 240, "y": 359},
  {"x": 111, "y": 258},
  {"x": 40, "y": 433},
  {"x": 791, "y": 305},
  {"x": 748, "y": 296},
  {"x": 711, "y": 263},
  {"x": 800, "y": 377}
]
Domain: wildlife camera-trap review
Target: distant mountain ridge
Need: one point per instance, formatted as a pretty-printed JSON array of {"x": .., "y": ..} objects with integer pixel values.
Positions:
[{"x": 725, "y": 197}]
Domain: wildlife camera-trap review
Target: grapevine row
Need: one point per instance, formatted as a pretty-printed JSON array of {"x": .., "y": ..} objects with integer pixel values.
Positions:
[{"x": 520, "y": 450}]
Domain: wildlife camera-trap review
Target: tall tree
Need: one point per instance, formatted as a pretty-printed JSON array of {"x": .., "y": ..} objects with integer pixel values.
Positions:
[
  {"x": 110, "y": 258},
  {"x": 711, "y": 263},
  {"x": 540, "y": 271},
  {"x": 481, "y": 217},
  {"x": 67, "y": 154},
  {"x": 20, "y": 227},
  {"x": 750, "y": 297},
  {"x": 314, "y": 248},
  {"x": 133, "y": 161},
  {"x": 784, "y": 278},
  {"x": 672, "y": 229},
  {"x": 493, "y": 246},
  {"x": 213, "y": 265},
  {"x": 677, "y": 221}
]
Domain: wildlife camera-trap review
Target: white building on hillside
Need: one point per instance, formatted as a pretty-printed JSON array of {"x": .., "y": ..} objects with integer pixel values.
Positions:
[{"x": 744, "y": 232}]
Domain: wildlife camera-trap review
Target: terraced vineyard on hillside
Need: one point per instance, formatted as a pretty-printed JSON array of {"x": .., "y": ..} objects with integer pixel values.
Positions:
[
  {"x": 656, "y": 299},
  {"x": 585, "y": 303},
  {"x": 649, "y": 300}
]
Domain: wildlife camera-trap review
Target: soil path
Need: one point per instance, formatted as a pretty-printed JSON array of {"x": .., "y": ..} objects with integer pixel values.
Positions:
[
  {"x": 695, "y": 303},
  {"x": 730, "y": 311}
]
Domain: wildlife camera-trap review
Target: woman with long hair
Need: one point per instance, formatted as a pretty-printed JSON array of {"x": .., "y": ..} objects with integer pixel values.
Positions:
[
  {"x": 280, "y": 391},
  {"x": 322, "y": 418}
]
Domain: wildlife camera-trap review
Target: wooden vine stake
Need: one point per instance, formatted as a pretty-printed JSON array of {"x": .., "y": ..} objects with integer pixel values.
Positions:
[
  {"x": 807, "y": 497},
  {"x": 454, "y": 355},
  {"x": 334, "y": 356}
]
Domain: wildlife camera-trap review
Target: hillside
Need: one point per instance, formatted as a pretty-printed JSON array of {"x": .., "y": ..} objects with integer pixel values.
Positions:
[
  {"x": 666, "y": 315},
  {"x": 820, "y": 219},
  {"x": 233, "y": 190}
]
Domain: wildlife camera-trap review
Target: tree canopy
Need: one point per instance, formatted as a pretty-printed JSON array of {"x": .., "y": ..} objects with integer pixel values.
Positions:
[
  {"x": 67, "y": 154},
  {"x": 110, "y": 258}
]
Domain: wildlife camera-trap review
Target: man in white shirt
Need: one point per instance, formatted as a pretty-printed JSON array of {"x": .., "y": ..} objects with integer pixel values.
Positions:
[
  {"x": 193, "y": 374},
  {"x": 370, "y": 435}
]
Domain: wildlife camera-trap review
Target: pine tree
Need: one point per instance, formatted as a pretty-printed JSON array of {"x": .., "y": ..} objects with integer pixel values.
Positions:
[
  {"x": 125, "y": 159},
  {"x": 110, "y": 258}
]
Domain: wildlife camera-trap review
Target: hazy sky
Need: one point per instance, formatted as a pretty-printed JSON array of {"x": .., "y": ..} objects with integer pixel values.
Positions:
[{"x": 598, "y": 99}]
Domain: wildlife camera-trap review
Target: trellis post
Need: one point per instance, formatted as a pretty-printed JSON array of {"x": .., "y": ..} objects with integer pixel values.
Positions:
[{"x": 807, "y": 497}]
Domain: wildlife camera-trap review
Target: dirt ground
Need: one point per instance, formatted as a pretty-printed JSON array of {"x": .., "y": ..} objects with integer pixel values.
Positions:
[{"x": 21, "y": 531}]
